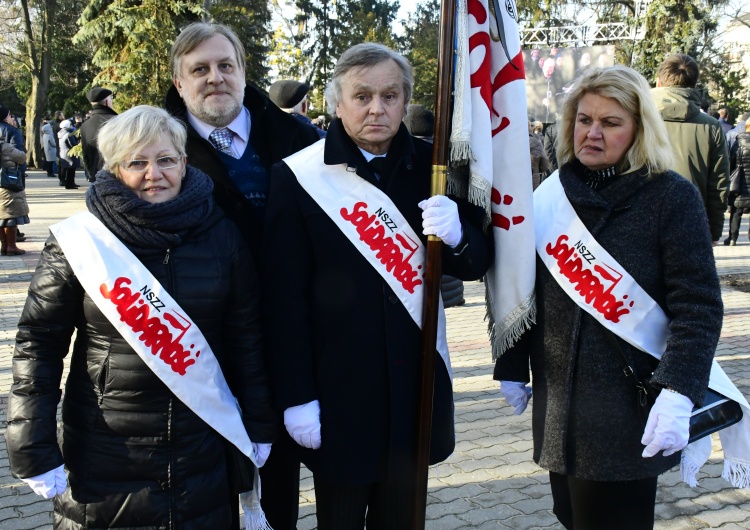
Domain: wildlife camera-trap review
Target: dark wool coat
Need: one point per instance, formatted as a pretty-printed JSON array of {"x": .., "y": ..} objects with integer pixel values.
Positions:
[
  {"x": 274, "y": 135},
  {"x": 585, "y": 421},
  {"x": 92, "y": 160},
  {"x": 337, "y": 333},
  {"x": 136, "y": 455}
]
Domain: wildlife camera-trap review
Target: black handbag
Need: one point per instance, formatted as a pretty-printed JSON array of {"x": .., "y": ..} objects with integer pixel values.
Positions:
[
  {"x": 735, "y": 179},
  {"x": 11, "y": 179},
  {"x": 716, "y": 413},
  {"x": 742, "y": 201}
]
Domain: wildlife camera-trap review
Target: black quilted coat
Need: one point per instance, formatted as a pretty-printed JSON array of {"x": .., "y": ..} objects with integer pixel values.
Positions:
[{"x": 137, "y": 457}]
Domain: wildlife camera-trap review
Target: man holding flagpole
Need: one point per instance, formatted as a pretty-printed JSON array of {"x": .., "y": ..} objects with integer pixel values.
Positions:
[{"x": 347, "y": 220}]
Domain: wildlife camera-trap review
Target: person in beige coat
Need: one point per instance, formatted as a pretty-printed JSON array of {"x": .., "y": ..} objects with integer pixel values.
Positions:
[{"x": 14, "y": 210}]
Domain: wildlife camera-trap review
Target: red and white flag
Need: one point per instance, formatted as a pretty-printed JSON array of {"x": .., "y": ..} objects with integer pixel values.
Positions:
[{"x": 490, "y": 132}]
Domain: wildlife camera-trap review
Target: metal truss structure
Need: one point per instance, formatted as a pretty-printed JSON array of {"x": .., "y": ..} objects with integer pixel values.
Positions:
[
  {"x": 574, "y": 36},
  {"x": 585, "y": 34}
]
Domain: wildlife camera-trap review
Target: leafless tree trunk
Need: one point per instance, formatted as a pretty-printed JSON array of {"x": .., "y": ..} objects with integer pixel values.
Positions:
[{"x": 39, "y": 64}]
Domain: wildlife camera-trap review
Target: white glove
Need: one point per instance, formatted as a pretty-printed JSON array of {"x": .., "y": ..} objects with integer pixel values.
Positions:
[
  {"x": 668, "y": 425},
  {"x": 303, "y": 424},
  {"x": 261, "y": 452},
  {"x": 53, "y": 482},
  {"x": 440, "y": 218},
  {"x": 516, "y": 394}
]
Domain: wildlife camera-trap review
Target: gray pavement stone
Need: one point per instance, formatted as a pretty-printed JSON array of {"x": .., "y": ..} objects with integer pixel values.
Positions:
[
  {"x": 490, "y": 482},
  {"x": 727, "y": 514},
  {"x": 499, "y": 512},
  {"x": 540, "y": 519}
]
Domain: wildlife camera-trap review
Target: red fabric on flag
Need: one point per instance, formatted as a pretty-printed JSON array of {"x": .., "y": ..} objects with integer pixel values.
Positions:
[{"x": 490, "y": 133}]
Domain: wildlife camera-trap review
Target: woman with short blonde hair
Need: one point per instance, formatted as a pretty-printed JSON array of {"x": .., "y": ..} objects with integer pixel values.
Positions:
[{"x": 133, "y": 454}]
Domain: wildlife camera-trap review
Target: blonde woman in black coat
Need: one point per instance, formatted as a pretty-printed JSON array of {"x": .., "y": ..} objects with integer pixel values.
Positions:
[{"x": 603, "y": 462}]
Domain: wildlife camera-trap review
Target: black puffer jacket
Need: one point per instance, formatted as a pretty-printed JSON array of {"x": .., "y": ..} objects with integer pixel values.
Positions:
[
  {"x": 136, "y": 455},
  {"x": 740, "y": 156}
]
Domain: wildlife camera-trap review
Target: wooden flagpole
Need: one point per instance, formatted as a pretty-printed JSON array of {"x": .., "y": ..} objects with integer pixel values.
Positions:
[{"x": 433, "y": 275}]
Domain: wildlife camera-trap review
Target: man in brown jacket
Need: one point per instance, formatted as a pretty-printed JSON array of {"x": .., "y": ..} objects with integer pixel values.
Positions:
[{"x": 700, "y": 147}]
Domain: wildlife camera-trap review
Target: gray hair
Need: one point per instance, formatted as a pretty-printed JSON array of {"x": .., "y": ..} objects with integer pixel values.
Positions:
[
  {"x": 366, "y": 55},
  {"x": 197, "y": 33},
  {"x": 134, "y": 129},
  {"x": 297, "y": 109},
  {"x": 651, "y": 148}
]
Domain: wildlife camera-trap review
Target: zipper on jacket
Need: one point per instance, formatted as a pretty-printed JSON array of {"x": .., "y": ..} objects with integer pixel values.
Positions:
[
  {"x": 103, "y": 378},
  {"x": 166, "y": 258},
  {"x": 170, "y": 453}
]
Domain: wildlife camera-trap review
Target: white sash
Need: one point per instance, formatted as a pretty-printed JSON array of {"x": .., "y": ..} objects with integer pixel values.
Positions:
[
  {"x": 151, "y": 321},
  {"x": 604, "y": 289},
  {"x": 372, "y": 223}
]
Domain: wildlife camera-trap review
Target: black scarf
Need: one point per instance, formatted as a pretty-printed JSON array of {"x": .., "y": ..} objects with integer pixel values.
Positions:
[
  {"x": 596, "y": 179},
  {"x": 151, "y": 228}
]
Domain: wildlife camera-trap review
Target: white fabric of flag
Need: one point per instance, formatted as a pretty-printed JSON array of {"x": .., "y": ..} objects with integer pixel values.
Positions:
[{"x": 490, "y": 132}]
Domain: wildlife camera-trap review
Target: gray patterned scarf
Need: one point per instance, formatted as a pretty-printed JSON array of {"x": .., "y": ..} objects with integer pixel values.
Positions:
[{"x": 151, "y": 228}]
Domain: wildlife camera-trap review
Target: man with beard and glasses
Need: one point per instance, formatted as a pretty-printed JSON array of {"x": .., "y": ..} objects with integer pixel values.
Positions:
[{"x": 235, "y": 135}]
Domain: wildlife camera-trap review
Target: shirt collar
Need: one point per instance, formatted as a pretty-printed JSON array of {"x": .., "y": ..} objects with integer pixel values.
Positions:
[
  {"x": 239, "y": 126},
  {"x": 369, "y": 156}
]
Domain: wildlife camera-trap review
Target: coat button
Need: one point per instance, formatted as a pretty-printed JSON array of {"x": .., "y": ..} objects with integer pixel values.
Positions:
[{"x": 393, "y": 298}]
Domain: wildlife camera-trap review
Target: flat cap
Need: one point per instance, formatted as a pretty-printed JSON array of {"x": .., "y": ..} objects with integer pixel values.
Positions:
[
  {"x": 286, "y": 94},
  {"x": 420, "y": 121},
  {"x": 97, "y": 94}
]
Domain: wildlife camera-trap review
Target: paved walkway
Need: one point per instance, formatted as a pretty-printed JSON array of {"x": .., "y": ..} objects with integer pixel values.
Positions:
[{"x": 490, "y": 481}]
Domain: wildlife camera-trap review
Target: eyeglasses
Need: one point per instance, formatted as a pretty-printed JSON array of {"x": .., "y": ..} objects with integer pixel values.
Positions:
[{"x": 140, "y": 166}]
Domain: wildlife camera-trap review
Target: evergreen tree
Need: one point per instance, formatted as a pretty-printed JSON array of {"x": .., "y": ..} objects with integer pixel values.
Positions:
[
  {"x": 330, "y": 27},
  {"x": 71, "y": 74},
  {"x": 673, "y": 26},
  {"x": 285, "y": 57},
  {"x": 250, "y": 19},
  {"x": 132, "y": 39},
  {"x": 422, "y": 37}
]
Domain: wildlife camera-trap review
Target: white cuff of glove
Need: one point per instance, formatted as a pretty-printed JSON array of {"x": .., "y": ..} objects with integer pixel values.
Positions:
[
  {"x": 668, "y": 425},
  {"x": 53, "y": 482},
  {"x": 516, "y": 394},
  {"x": 440, "y": 218},
  {"x": 261, "y": 452},
  {"x": 303, "y": 424}
]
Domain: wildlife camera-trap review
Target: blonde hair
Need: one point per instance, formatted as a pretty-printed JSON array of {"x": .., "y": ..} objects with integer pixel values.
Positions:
[
  {"x": 133, "y": 130},
  {"x": 651, "y": 148}
]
